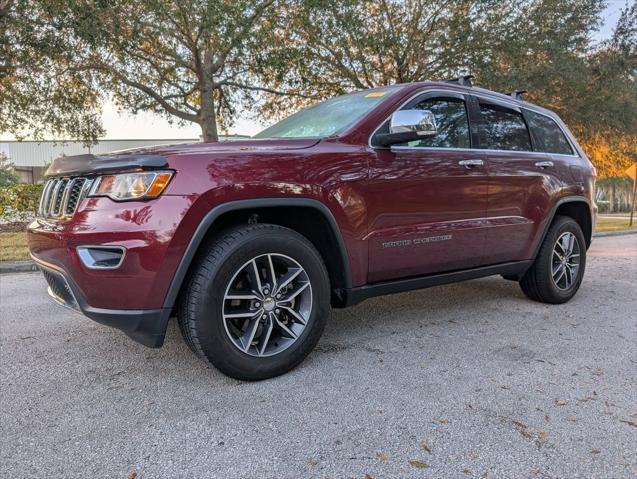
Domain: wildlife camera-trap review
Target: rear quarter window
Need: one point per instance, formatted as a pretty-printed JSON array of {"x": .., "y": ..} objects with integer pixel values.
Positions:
[{"x": 548, "y": 135}]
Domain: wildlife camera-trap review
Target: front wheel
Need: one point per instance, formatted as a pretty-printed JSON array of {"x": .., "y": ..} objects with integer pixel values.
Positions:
[
  {"x": 557, "y": 272},
  {"x": 257, "y": 301}
]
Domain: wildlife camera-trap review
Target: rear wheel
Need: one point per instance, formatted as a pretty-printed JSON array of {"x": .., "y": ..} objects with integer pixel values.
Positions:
[
  {"x": 557, "y": 272},
  {"x": 257, "y": 301}
]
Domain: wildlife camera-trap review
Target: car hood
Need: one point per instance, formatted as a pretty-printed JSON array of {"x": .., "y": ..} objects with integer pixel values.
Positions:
[
  {"x": 153, "y": 157},
  {"x": 274, "y": 144}
]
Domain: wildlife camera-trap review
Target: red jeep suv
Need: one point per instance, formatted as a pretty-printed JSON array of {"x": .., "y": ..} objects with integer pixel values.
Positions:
[{"x": 250, "y": 242}]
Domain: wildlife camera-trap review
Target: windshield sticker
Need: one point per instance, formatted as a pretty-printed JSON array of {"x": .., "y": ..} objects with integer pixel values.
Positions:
[{"x": 375, "y": 94}]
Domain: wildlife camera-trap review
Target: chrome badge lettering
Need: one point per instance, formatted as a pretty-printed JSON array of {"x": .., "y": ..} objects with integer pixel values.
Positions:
[{"x": 416, "y": 241}]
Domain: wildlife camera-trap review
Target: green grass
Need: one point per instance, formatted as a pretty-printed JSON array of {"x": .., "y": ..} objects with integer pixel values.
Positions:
[
  {"x": 606, "y": 224},
  {"x": 13, "y": 246}
]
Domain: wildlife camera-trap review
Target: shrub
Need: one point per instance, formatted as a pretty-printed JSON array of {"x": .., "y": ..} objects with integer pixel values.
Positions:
[{"x": 19, "y": 202}]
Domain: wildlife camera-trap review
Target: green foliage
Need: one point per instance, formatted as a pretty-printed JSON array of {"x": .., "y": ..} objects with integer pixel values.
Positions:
[
  {"x": 192, "y": 60},
  {"x": 19, "y": 202},
  {"x": 8, "y": 175}
]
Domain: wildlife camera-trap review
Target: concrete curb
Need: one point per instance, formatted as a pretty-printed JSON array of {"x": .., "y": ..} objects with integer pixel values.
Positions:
[
  {"x": 17, "y": 267},
  {"x": 615, "y": 233}
]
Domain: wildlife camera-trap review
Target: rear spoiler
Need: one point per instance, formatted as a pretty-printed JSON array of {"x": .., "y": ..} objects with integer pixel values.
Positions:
[{"x": 87, "y": 165}]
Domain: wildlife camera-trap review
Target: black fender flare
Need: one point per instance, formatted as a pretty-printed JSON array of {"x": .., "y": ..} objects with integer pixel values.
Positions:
[
  {"x": 558, "y": 203},
  {"x": 210, "y": 217}
]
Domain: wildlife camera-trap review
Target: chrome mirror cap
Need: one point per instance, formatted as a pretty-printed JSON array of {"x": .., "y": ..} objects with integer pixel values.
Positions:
[{"x": 419, "y": 122}]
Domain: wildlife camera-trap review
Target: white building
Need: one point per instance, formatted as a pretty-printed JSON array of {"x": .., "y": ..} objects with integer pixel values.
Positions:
[{"x": 32, "y": 157}]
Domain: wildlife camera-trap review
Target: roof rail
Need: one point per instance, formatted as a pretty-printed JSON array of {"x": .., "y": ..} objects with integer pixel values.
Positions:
[
  {"x": 464, "y": 80},
  {"x": 517, "y": 94}
]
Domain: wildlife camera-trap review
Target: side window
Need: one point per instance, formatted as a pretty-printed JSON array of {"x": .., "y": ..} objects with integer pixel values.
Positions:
[
  {"x": 504, "y": 129},
  {"x": 550, "y": 137},
  {"x": 452, "y": 122}
]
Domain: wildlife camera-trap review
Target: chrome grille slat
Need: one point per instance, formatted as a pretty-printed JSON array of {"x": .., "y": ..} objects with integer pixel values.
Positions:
[{"x": 61, "y": 197}]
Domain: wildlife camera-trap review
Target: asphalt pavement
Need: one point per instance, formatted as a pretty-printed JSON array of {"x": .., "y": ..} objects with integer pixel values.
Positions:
[{"x": 470, "y": 380}]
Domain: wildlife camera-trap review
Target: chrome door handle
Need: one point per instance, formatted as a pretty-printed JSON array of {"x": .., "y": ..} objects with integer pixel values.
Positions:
[
  {"x": 544, "y": 164},
  {"x": 470, "y": 163}
]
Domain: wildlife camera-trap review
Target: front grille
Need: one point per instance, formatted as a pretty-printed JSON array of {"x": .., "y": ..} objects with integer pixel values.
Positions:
[
  {"x": 61, "y": 197},
  {"x": 59, "y": 289}
]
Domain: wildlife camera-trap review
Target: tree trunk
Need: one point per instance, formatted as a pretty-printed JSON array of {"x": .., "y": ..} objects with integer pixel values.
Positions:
[{"x": 208, "y": 117}]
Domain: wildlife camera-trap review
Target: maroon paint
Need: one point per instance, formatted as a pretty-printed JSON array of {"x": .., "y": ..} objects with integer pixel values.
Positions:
[{"x": 493, "y": 213}]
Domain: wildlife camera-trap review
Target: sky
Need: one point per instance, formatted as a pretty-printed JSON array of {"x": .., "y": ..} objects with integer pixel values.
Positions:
[{"x": 121, "y": 125}]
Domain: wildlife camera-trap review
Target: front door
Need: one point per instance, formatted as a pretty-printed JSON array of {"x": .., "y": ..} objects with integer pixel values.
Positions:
[{"x": 427, "y": 200}]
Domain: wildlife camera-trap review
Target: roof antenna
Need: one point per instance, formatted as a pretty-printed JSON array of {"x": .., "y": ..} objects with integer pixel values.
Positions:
[
  {"x": 463, "y": 80},
  {"x": 517, "y": 94}
]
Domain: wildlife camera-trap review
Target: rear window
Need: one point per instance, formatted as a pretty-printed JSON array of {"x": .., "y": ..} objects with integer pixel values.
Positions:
[
  {"x": 548, "y": 134},
  {"x": 504, "y": 129}
]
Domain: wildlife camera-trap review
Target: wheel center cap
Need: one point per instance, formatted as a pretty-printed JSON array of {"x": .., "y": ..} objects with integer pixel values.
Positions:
[{"x": 268, "y": 304}]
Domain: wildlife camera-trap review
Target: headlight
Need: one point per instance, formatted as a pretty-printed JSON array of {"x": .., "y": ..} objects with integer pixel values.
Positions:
[{"x": 131, "y": 186}]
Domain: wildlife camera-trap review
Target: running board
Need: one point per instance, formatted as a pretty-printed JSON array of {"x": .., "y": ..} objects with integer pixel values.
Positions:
[{"x": 352, "y": 296}]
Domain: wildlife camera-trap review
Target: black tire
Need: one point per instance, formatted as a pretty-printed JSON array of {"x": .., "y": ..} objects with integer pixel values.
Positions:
[
  {"x": 201, "y": 310},
  {"x": 538, "y": 283}
]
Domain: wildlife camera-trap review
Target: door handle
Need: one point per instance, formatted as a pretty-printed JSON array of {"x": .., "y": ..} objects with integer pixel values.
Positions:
[
  {"x": 544, "y": 164},
  {"x": 470, "y": 163}
]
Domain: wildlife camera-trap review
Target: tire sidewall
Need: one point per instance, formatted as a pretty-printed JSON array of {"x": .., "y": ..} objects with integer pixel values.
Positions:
[{"x": 212, "y": 335}]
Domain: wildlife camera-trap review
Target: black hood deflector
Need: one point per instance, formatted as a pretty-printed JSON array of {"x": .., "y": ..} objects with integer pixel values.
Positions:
[{"x": 86, "y": 165}]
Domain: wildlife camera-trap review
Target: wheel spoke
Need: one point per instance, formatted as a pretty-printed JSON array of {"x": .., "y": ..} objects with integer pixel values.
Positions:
[
  {"x": 290, "y": 333},
  {"x": 562, "y": 272},
  {"x": 251, "y": 330},
  {"x": 272, "y": 273},
  {"x": 242, "y": 296},
  {"x": 255, "y": 276},
  {"x": 288, "y": 278},
  {"x": 296, "y": 315},
  {"x": 288, "y": 297},
  {"x": 265, "y": 336},
  {"x": 240, "y": 314},
  {"x": 556, "y": 269}
]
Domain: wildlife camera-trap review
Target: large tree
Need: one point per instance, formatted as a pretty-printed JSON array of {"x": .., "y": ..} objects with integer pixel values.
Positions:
[{"x": 193, "y": 60}]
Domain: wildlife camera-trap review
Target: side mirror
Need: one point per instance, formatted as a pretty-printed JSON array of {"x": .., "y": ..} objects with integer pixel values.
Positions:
[{"x": 408, "y": 125}]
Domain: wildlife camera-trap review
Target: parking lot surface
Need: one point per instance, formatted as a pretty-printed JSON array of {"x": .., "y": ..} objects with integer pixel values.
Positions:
[{"x": 470, "y": 380}]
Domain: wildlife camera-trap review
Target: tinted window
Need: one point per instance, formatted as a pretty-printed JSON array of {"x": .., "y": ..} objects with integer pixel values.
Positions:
[
  {"x": 504, "y": 129},
  {"x": 548, "y": 134},
  {"x": 452, "y": 122}
]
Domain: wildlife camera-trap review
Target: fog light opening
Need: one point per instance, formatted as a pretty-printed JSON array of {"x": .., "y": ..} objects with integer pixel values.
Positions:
[{"x": 101, "y": 257}]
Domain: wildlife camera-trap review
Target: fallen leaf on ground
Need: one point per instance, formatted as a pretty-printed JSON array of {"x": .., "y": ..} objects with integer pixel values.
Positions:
[
  {"x": 596, "y": 372},
  {"x": 519, "y": 424},
  {"x": 381, "y": 457},
  {"x": 444, "y": 421},
  {"x": 630, "y": 423},
  {"x": 543, "y": 435},
  {"x": 467, "y": 472},
  {"x": 418, "y": 464},
  {"x": 426, "y": 448},
  {"x": 559, "y": 402},
  {"x": 367, "y": 476},
  {"x": 535, "y": 471},
  {"x": 595, "y": 451},
  {"x": 132, "y": 475}
]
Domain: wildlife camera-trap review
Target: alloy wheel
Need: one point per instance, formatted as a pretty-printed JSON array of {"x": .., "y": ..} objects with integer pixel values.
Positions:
[
  {"x": 267, "y": 304},
  {"x": 565, "y": 264}
]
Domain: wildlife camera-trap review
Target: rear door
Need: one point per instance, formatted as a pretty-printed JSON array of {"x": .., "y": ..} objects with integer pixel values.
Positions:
[
  {"x": 521, "y": 182},
  {"x": 427, "y": 200}
]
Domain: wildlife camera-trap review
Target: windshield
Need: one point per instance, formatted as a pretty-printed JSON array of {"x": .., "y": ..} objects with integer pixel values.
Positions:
[{"x": 327, "y": 118}]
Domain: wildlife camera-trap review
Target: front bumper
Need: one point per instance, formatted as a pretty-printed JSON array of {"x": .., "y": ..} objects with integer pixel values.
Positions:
[{"x": 147, "y": 327}]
